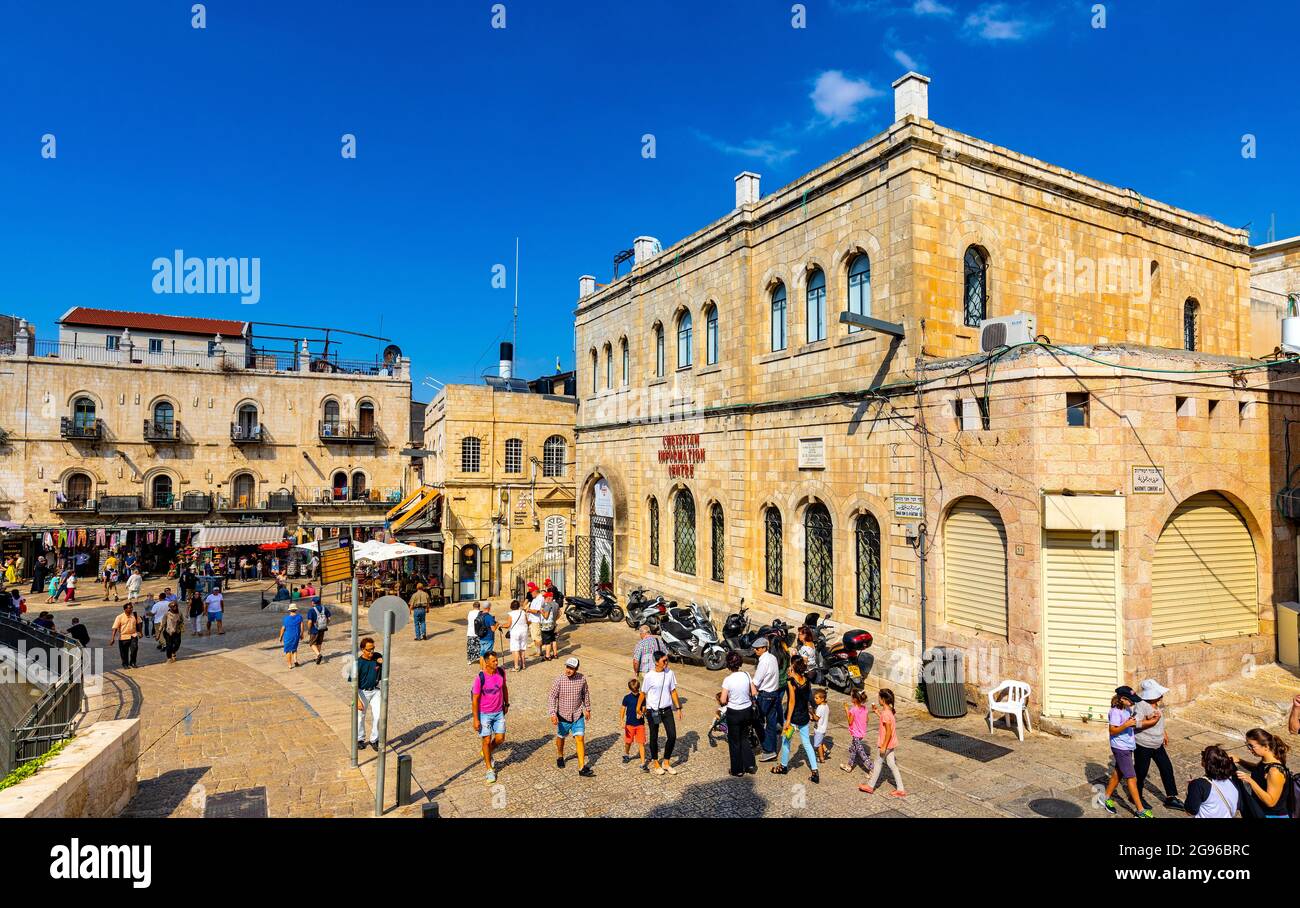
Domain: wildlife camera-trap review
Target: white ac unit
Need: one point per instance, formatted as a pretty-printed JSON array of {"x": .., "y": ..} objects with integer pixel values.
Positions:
[{"x": 1006, "y": 331}]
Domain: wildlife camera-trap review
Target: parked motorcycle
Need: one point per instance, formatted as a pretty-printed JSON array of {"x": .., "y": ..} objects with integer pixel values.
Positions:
[
  {"x": 690, "y": 635},
  {"x": 843, "y": 665},
  {"x": 580, "y": 610},
  {"x": 643, "y": 609},
  {"x": 738, "y": 635}
]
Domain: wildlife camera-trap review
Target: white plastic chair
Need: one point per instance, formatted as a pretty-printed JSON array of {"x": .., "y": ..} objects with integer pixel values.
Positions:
[{"x": 1016, "y": 704}]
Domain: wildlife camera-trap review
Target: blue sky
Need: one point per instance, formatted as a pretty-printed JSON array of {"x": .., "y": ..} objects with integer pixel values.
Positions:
[{"x": 225, "y": 141}]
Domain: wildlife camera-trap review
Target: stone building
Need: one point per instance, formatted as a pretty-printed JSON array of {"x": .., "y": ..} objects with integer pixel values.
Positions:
[
  {"x": 153, "y": 425},
  {"x": 957, "y": 396},
  {"x": 501, "y": 454}
]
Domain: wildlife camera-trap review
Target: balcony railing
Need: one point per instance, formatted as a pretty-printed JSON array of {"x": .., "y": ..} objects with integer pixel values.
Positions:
[
  {"x": 164, "y": 432},
  {"x": 196, "y": 502},
  {"x": 62, "y": 503},
  {"x": 276, "y": 502},
  {"x": 247, "y": 435},
  {"x": 346, "y": 496},
  {"x": 78, "y": 429},
  {"x": 119, "y": 504},
  {"x": 347, "y": 432}
]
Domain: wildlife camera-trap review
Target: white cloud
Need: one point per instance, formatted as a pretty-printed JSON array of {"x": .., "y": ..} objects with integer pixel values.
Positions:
[
  {"x": 906, "y": 60},
  {"x": 931, "y": 8},
  {"x": 763, "y": 150},
  {"x": 837, "y": 97},
  {"x": 993, "y": 22}
]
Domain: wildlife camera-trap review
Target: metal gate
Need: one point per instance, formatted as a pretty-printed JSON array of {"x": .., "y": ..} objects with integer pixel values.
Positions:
[{"x": 594, "y": 556}]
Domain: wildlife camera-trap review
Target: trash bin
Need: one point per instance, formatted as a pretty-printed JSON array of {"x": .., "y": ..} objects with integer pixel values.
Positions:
[{"x": 943, "y": 675}]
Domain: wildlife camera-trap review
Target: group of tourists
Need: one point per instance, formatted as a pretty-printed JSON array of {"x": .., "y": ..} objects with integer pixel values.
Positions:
[
  {"x": 295, "y": 624},
  {"x": 533, "y": 618}
]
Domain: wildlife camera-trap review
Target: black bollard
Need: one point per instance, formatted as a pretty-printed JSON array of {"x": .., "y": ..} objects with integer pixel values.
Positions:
[
  {"x": 403, "y": 780},
  {"x": 429, "y": 811}
]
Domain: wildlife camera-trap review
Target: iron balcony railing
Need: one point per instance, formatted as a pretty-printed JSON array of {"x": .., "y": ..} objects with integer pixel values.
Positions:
[
  {"x": 54, "y": 715},
  {"x": 62, "y": 502},
  {"x": 196, "y": 502},
  {"x": 120, "y": 504},
  {"x": 247, "y": 435},
  {"x": 162, "y": 431},
  {"x": 345, "y": 495},
  {"x": 279, "y": 502},
  {"x": 347, "y": 431},
  {"x": 74, "y": 428}
]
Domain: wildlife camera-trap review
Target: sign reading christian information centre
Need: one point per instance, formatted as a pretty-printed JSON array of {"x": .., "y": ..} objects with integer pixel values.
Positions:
[{"x": 681, "y": 453}]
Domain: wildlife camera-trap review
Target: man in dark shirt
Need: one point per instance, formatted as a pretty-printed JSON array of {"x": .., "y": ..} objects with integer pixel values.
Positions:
[
  {"x": 369, "y": 664},
  {"x": 79, "y": 633}
]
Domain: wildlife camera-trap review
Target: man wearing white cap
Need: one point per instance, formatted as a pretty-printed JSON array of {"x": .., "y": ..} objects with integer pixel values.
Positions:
[
  {"x": 569, "y": 704},
  {"x": 1151, "y": 739}
]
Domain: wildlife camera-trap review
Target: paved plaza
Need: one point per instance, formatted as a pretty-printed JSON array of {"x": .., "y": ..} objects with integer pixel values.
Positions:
[{"x": 230, "y": 730}]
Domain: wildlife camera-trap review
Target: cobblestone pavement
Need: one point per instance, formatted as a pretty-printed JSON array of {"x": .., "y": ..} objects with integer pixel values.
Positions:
[{"x": 260, "y": 724}]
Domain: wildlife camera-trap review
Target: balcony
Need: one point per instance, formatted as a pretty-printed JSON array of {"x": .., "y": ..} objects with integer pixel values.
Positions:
[
  {"x": 350, "y": 497},
  {"x": 162, "y": 432},
  {"x": 196, "y": 503},
  {"x": 81, "y": 429},
  {"x": 62, "y": 504},
  {"x": 275, "y": 503},
  {"x": 347, "y": 433},
  {"x": 120, "y": 504},
  {"x": 247, "y": 435}
]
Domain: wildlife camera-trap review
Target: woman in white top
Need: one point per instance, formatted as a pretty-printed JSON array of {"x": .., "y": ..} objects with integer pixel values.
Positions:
[
  {"x": 1213, "y": 797},
  {"x": 517, "y": 627},
  {"x": 657, "y": 701},
  {"x": 737, "y": 698},
  {"x": 472, "y": 648}
]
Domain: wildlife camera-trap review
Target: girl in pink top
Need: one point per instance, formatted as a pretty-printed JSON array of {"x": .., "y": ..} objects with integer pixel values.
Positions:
[
  {"x": 858, "y": 715},
  {"x": 888, "y": 743}
]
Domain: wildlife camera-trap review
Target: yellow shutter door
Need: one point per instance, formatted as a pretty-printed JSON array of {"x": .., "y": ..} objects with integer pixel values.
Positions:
[
  {"x": 1203, "y": 580},
  {"x": 1081, "y": 616},
  {"x": 975, "y": 567}
]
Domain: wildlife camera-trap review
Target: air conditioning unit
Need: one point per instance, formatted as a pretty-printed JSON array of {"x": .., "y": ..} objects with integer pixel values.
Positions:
[{"x": 1006, "y": 331}]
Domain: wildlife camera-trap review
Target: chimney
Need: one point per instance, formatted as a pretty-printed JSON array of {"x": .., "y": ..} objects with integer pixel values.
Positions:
[
  {"x": 644, "y": 248},
  {"x": 912, "y": 96},
  {"x": 507, "y": 366},
  {"x": 746, "y": 189},
  {"x": 586, "y": 286}
]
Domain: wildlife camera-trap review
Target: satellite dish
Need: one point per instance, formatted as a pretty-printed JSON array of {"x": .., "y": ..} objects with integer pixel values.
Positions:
[{"x": 392, "y": 353}]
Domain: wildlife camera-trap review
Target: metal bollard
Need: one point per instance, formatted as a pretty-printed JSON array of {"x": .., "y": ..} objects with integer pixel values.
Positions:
[
  {"x": 429, "y": 811},
  {"x": 403, "y": 780}
]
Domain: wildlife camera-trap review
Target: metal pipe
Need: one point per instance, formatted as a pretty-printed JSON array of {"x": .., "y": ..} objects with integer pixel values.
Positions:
[
  {"x": 385, "y": 669},
  {"x": 356, "y": 681}
]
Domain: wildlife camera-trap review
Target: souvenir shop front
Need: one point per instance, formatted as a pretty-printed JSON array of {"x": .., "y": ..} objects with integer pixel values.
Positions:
[
  {"x": 244, "y": 551},
  {"x": 85, "y": 548}
]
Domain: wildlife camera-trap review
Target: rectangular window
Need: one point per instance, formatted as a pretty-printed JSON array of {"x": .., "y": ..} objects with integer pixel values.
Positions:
[
  {"x": 1076, "y": 409},
  {"x": 155, "y": 345},
  {"x": 514, "y": 455},
  {"x": 778, "y": 324},
  {"x": 212, "y": 348},
  {"x": 112, "y": 342}
]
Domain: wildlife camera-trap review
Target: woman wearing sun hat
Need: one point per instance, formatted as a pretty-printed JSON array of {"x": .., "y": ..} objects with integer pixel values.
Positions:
[{"x": 1151, "y": 739}]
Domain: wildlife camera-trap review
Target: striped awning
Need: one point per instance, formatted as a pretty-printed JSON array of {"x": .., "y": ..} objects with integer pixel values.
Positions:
[{"x": 220, "y": 536}]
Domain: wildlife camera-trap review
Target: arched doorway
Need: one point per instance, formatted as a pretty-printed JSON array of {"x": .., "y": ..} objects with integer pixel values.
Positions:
[
  {"x": 600, "y": 566},
  {"x": 467, "y": 570}
]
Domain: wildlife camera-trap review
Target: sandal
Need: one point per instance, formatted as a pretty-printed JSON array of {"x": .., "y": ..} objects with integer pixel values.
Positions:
[{"x": 780, "y": 770}]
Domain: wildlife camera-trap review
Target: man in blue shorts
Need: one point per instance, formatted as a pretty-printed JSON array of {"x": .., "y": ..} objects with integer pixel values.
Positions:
[
  {"x": 569, "y": 703},
  {"x": 491, "y": 703}
]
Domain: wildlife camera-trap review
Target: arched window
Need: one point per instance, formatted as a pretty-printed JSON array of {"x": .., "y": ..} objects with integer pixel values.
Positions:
[
  {"x": 77, "y": 490},
  {"x": 774, "y": 552},
  {"x": 684, "y": 352},
  {"x": 83, "y": 414},
  {"x": 818, "y": 558},
  {"x": 246, "y": 425},
  {"x": 778, "y": 318},
  {"x": 160, "y": 490},
  {"x": 867, "y": 532},
  {"x": 684, "y": 532},
  {"x": 976, "y": 295},
  {"x": 554, "y": 451},
  {"x": 331, "y": 426},
  {"x": 164, "y": 419},
  {"x": 514, "y": 455},
  {"x": 609, "y": 367},
  {"x": 718, "y": 542},
  {"x": 470, "y": 452},
  {"x": 340, "y": 486},
  {"x": 242, "y": 490},
  {"x": 659, "y": 351},
  {"x": 860, "y": 288},
  {"x": 627, "y": 362},
  {"x": 366, "y": 418},
  {"x": 1191, "y": 314},
  {"x": 595, "y": 371},
  {"x": 654, "y": 532},
  {"x": 816, "y": 305},
  {"x": 359, "y": 491},
  {"x": 711, "y": 335}
]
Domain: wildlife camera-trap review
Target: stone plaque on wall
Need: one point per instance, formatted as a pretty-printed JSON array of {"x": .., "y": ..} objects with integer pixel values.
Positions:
[
  {"x": 812, "y": 453},
  {"x": 1148, "y": 481}
]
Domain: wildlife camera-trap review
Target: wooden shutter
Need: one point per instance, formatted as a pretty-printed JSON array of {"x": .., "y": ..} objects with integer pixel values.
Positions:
[
  {"x": 1081, "y": 619},
  {"x": 975, "y": 567},
  {"x": 1203, "y": 579}
]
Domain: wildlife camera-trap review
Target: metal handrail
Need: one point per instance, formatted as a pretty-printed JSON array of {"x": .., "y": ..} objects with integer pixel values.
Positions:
[{"x": 53, "y": 717}]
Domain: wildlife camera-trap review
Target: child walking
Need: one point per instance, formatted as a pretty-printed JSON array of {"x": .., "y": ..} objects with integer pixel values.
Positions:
[
  {"x": 822, "y": 718},
  {"x": 858, "y": 716},
  {"x": 1123, "y": 743},
  {"x": 886, "y": 744},
  {"x": 633, "y": 724}
]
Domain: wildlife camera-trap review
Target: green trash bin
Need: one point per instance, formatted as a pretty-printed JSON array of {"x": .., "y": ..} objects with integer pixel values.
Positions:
[{"x": 943, "y": 674}]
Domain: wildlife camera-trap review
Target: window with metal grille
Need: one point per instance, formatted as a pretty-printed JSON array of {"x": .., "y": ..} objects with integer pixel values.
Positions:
[
  {"x": 774, "y": 560},
  {"x": 684, "y": 532},
  {"x": 1191, "y": 309},
  {"x": 717, "y": 535},
  {"x": 778, "y": 318},
  {"x": 818, "y": 565},
  {"x": 816, "y": 307},
  {"x": 514, "y": 455},
  {"x": 860, "y": 288},
  {"x": 711, "y": 336},
  {"x": 868, "y": 538},
  {"x": 654, "y": 532},
  {"x": 470, "y": 451},
  {"x": 162, "y": 491},
  {"x": 976, "y": 296},
  {"x": 553, "y": 452}
]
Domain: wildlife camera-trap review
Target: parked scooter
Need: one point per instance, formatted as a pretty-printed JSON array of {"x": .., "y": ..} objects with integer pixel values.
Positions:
[
  {"x": 580, "y": 610},
  {"x": 843, "y": 665},
  {"x": 642, "y": 609},
  {"x": 739, "y": 636},
  {"x": 689, "y": 635}
]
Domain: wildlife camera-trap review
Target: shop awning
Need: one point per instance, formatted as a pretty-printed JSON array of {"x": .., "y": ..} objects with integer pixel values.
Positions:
[
  {"x": 221, "y": 536},
  {"x": 411, "y": 505}
]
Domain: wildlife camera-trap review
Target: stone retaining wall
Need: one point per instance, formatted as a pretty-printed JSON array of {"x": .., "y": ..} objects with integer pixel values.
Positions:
[{"x": 94, "y": 776}]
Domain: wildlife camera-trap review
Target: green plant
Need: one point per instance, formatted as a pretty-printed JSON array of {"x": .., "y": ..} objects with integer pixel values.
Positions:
[
  {"x": 1087, "y": 717},
  {"x": 604, "y": 570},
  {"x": 31, "y": 767},
  {"x": 920, "y": 693}
]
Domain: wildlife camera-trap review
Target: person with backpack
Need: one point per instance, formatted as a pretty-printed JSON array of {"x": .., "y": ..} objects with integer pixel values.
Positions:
[
  {"x": 550, "y": 615},
  {"x": 490, "y": 701},
  {"x": 318, "y": 621},
  {"x": 516, "y": 631},
  {"x": 472, "y": 648},
  {"x": 1214, "y": 797},
  {"x": 485, "y": 629},
  {"x": 1267, "y": 786}
]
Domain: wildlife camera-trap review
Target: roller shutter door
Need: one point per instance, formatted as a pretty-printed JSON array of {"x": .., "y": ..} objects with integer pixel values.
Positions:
[
  {"x": 1082, "y": 649},
  {"x": 975, "y": 567},
  {"x": 1203, "y": 580}
]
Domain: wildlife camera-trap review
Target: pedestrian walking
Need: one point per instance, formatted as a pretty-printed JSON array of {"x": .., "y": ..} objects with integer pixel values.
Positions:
[
  {"x": 658, "y": 701},
  {"x": 886, "y": 744},
  {"x": 858, "y": 715},
  {"x": 535, "y": 601},
  {"x": 1123, "y": 743},
  {"x": 491, "y": 703},
  {"x": 368, "y": 667},
  {"x": 517, "y": 632},
  {"x": 767, "y": 676},
  {"x": 472, "y": 648},
  {"x": 133, "y": 583},
  {"x": 291, "y": 635},
  {"x": 485, "y": 628},
  {"x": 111, "y": 578},
  {"x": 1214, "y": 796},
  {"x": 737, "y": 698},
  {"x": 318, "y": 622},
  {"x": 646, "y": 651},
  {"x": 569, "y": 705},
  {"x": 41, "y": 574},
  {"x": 1265, "y": 784},
  {"x": 633, "y": 723},
  {"x": 70, "y": 587},
  {"x": 216, "y": 609},
  {"x": 146, "y": 615},
  {"x": 172, "y": 628},
  {"x": 127, "y": 628},
  {"x": 821, "y": 722},
  {"x": 550, "y": 616},
  {"x": 196, "y": 609},
  {"x": 79, "y": 632},
  {"x": 798, "y": 716},
  {"x": 156, "y": 612},
  {"x": 1152, "y": 739},
  {"x": 419, "y": 610}
]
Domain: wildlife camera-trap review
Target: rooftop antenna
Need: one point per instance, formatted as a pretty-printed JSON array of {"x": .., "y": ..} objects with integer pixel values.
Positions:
[{"x": 514, "y": 322}]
